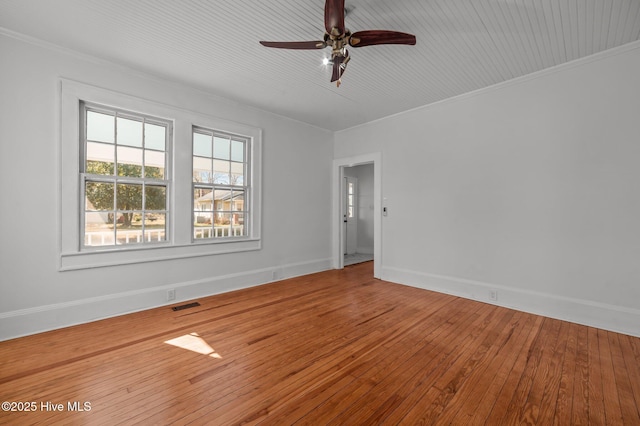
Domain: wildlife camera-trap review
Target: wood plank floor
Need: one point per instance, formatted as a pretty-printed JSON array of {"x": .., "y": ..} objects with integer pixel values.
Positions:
[{"x": 338, "y": 348}]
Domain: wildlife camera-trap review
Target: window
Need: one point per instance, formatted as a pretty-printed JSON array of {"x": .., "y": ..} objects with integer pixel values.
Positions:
[
  {"x": 134, "y": 186},
  {"x": 125, "y": 178},
  {"x": 350, "y": 199},
  {"x": 220, "y": 185}
]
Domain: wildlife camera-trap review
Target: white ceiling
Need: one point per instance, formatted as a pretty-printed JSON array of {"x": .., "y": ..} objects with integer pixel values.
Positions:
[{"x": 462, "y": 46}]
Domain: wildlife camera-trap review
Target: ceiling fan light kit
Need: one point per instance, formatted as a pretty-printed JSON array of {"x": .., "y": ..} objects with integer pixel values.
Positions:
[{"x": 338, "y": 38}]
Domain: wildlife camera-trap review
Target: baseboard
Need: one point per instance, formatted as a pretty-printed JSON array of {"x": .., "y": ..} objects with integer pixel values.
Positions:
[
  {"x": 50, "y": 317},
  {"x": 586, "y": 312}
]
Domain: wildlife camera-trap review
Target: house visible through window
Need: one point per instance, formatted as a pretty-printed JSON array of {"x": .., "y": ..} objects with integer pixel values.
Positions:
[
  {"x": 125, "y": 178},
  {"x": 220, "y": 185}
]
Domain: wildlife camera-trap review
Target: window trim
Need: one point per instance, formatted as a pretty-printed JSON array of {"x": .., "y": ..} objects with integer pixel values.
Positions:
[{"x": 180, "y": 244}]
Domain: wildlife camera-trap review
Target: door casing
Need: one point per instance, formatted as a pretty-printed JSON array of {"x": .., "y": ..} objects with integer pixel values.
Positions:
[{"x": 338, "y": 180}]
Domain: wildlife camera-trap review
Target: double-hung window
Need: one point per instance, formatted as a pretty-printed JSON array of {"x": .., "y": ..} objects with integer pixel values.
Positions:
[
  {"x": 220, "y": 185},
  {"x": 125, "y": 177}
]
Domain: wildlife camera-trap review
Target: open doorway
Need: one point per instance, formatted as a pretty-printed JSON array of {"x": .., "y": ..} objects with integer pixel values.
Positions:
[
  {"x": 358, "y": 233},
  {"x": 367, "y": 201}
]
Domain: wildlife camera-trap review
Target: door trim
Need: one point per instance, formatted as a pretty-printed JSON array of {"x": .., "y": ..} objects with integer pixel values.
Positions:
[{"x": 339, "y": 164}]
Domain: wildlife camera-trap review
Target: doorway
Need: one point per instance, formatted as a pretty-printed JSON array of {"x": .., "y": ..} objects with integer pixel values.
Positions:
[
  {"x": 363, "y": 236},
  {"x": 358, "y": 214}
]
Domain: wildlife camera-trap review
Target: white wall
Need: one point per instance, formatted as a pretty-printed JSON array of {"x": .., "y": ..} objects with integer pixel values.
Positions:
[
  {"x": 530, "y": 188},
  {"x": 35, "y": 296}
]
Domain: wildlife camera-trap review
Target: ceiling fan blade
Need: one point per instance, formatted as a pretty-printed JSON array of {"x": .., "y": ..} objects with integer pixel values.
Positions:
[
  {"x": 334, "y": 17},
  {"x": 300, "y": 45},
  {"x": 373, "y": 37}
]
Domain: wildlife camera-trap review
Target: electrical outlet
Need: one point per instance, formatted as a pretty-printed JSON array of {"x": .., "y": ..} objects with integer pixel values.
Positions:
[
  {"x": 493, "y": 295},
  {"x": 171, "y": 295}
]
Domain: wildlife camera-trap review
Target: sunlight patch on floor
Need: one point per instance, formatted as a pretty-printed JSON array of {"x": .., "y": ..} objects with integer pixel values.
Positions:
[{"x": 193, "y": 342}]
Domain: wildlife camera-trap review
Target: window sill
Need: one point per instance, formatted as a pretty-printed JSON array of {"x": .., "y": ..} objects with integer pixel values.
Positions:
[{"x": 134, "y": 255}]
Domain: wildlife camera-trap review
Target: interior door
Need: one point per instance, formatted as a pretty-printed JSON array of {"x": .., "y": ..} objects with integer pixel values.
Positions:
[{"x": 350, "y": 214}]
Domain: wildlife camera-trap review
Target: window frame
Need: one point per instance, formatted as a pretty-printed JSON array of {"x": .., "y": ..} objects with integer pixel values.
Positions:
[
  {"x": 180, "y": 244},
  {"x": 117, "y": 179},
  {"x": 213, "y": 186}
]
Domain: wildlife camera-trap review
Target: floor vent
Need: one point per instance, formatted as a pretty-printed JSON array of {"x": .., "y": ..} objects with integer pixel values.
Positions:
[{"x": 187, "y": 306}]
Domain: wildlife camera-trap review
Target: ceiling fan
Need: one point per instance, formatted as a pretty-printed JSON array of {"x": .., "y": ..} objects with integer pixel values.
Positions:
[{"x": 338, "y": 37}]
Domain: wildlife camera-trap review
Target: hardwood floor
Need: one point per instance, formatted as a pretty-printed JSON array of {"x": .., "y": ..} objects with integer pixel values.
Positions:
[{"x": 338, "y": 348}]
